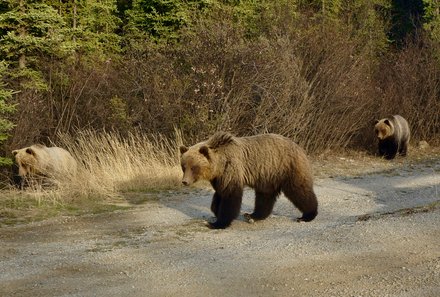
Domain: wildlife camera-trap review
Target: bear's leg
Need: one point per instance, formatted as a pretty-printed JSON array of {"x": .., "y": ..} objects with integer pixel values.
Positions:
[
  {"x": 403, "y": 149},
  {"x": 264, "y": 203},
  {"x": 304, "y": 198},
  {"x": 216, "y": 199},
  {"x": 228, "y": 208},
  {"x": 390, "y": 154},
  {"x": 390, "y": 149},
  {"x": 382, "y": 150}
]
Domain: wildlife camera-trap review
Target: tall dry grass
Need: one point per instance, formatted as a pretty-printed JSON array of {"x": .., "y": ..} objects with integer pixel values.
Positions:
[{"x": 110, "y": 164}]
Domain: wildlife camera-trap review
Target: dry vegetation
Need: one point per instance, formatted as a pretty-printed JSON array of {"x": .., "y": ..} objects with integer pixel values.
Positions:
[{"x": 110, "y": 166}]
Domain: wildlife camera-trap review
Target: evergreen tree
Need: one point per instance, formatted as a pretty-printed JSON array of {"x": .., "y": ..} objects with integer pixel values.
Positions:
[
  {"x": 161, "y": 20},
  {"x": 91, "y": 27},
  {"x": 406, "y": 18},
  {"x": 95, "y": 28},
  {"x": 5, "y": 110},
  {"x": 432, "y": 18},
  {"x": 29, "y": 29}
]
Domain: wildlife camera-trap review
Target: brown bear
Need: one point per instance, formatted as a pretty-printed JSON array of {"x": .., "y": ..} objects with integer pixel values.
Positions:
[
  {"x": 268, "y": 163},
  {"x": 393, "y": 134},
  {"x": 41, "y": 161}
]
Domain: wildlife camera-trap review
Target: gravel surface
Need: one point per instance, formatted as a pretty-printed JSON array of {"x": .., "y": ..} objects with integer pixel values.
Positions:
[{"x": 377, "y": 234}]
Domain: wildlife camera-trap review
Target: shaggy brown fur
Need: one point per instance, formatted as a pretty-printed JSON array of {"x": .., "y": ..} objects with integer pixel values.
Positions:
[
  {"x": 393, "y": 134},
  {"x": 39, "y": 160},
  {"x": 269, "y": 163}
]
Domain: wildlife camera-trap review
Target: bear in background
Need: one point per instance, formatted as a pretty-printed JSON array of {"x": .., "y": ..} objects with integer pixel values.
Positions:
[
  {"x": 393, "y": 134},
  {"x": 268, "y": 163},
  {"x": 39, "y": 161}
]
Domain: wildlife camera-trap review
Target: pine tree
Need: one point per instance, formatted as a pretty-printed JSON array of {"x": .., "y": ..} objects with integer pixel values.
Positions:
[
  {"x": 161, "y": 20},
  {"x": 432, "y": 18},
  {"x": 5, "y": 110},
  {"x": 94, "y": 24},
  {"x": 28, "y": 30}
]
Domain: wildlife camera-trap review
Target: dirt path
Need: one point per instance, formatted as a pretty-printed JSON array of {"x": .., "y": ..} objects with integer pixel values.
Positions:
[{"x": 364, "y": 242}]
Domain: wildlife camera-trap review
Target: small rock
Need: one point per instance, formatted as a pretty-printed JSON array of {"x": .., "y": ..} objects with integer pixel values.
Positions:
[{"x": 423, "y": 144}]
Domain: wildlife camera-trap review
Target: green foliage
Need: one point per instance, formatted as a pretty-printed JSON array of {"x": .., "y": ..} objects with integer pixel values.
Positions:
[
  {"x": 95, "y": 33},
  {"x": 5, "y": 110},
  {"x": 29, "y": 29},
  {"x": 432, "y": 18},
  {"x": 162, "y": 20},
  {"x": 369, "y": 21},
  {"x": 264, "y": 16},
  {"x": 118, "y": 114}
]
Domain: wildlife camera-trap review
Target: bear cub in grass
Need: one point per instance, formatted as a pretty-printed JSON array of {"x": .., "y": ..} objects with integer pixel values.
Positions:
[
  {"x": 40, "y": 161},
  {"x": 268, "y": 163},
  {"x": 393, "y": 134}
]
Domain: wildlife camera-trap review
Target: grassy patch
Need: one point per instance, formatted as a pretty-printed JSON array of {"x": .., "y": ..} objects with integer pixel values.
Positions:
[{"x": 18, "y": 207}]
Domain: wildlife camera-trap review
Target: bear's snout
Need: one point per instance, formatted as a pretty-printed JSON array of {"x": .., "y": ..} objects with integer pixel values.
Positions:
[{"x": 187, "y": 180}]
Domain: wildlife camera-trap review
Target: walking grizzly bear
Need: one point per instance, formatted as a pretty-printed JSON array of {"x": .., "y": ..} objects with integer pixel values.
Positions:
[
  {"x": 393, "y": 134},
  {"x": 51, "y": 162},
  {"x": 268, "y": 163}
]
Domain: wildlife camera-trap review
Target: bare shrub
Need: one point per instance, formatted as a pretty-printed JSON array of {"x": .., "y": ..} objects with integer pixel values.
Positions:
[
  {"x": 318, "y": 95},
  {"x": 410, "y": 84},
  {"x": 314, "y": 88}
]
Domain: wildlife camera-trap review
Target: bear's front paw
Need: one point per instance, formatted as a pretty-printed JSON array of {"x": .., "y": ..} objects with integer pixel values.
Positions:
[{"x": 217, "y": 225}]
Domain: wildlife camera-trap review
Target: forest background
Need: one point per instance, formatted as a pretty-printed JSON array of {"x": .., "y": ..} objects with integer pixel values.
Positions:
[{"x": 317, "y": 71}]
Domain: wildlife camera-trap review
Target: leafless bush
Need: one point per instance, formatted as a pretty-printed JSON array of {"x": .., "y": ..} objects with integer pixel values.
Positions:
[
  {"x": 410, "y": 85},
  {"x": 315, "y": 88}
]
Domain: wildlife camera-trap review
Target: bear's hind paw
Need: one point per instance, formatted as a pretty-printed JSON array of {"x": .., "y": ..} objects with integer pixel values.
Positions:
[
  {"x": 217, "y": 225},
  {"x": 248, "y": 218}
]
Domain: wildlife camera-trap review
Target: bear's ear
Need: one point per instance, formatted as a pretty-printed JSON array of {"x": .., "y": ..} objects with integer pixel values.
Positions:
[
  {"x": 30, "y": 151},
  {"x": 375, "y": 122},
  {"x": 15, "y": 152},
  {"x": 387, "y": 122},
  {"x": 204, "y": 150},
  {"x": 183, "y": 149}
]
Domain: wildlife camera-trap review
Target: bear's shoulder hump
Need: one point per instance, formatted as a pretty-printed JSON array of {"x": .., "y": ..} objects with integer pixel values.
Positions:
[{"x": 220, "y": 139}]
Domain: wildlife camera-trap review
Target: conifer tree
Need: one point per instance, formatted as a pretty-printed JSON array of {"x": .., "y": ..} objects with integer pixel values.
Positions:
[
  {"x": 28, "y": 30},
  {"x": 5, "y": 110}
]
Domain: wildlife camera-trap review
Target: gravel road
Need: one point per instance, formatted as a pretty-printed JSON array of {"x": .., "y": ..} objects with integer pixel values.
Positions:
[{"x": 377, "y": 234}]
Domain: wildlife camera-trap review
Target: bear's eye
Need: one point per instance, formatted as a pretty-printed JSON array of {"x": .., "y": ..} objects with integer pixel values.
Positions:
[{"x": 195, "y": 169}]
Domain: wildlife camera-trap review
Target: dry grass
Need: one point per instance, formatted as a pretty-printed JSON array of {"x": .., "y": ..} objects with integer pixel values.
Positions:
[{"x": 111, "y": 164}]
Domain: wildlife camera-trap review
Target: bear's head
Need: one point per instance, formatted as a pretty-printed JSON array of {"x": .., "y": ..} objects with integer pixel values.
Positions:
[
  {"x": 196, "y": 164},
  {"x": 383, "y": 129},
  {"x": 27, "y": 161}
]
